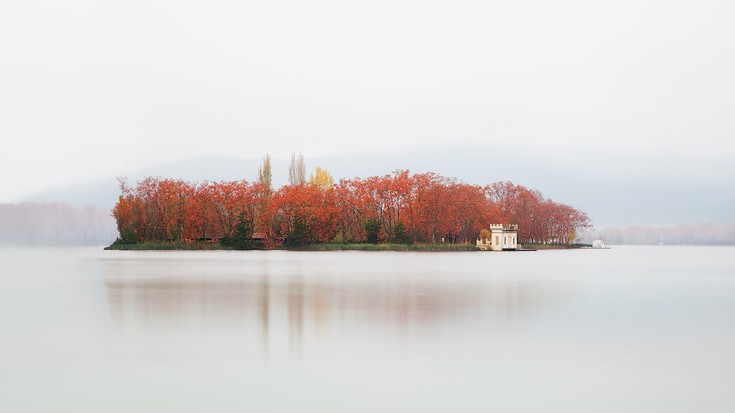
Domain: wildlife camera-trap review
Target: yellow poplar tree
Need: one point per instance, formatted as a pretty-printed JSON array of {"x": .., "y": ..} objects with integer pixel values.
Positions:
[{"x": 321, "y": 178}]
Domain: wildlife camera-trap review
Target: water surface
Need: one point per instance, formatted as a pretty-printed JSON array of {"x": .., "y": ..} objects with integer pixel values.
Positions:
[{"x": 627, "y": 329}]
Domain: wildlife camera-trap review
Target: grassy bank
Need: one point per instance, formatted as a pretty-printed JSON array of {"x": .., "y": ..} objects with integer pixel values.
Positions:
[
  {"x": 167, "y": 246},
  {"x": 204, "y": 246},
  {"x": 212, "y": 246},
  {"x": 386, "y": 247},
  {"x": 555, "y": 246}
]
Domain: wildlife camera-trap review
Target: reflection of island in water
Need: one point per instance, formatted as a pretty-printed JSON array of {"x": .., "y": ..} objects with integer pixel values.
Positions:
[{"x": 286, "y": 301}]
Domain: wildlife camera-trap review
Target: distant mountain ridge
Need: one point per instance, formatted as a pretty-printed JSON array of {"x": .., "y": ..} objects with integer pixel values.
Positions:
[
  {"x": 104, "y": 192},
  {"x": 614, "y": 189}
]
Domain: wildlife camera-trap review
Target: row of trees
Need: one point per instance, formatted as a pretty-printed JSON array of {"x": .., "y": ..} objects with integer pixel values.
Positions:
[{"x": 400, "y": 207}]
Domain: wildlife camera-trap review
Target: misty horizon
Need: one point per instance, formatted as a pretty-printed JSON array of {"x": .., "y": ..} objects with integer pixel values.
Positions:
[
  {"x": 619, "y": 110},
  {"x": 88, "y": 92},
  {"x": 611, "y": 195}
]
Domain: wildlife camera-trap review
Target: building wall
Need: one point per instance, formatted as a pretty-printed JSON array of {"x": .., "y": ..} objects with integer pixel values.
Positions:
[{"x": 501, "y": 237}]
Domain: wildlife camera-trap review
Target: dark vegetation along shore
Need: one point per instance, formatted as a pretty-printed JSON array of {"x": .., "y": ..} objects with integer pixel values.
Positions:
[
  {"x": 212, "y": 246},
  {"x": 397, "y": 212}
]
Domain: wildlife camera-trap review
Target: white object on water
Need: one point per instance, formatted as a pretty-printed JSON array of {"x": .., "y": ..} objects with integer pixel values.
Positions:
[{"x": 600, "y": 244}]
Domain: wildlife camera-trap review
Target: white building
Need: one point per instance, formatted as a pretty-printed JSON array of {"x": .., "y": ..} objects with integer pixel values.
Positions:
[
  {"x": 599, "y": 244},
  {"x": 503, "y": 237}
]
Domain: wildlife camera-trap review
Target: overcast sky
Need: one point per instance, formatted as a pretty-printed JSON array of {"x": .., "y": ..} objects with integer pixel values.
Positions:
[{"x": 91, "y": 88}]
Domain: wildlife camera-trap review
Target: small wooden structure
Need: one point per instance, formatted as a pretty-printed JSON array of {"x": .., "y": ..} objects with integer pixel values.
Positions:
[{"x": 503, "y": 237}]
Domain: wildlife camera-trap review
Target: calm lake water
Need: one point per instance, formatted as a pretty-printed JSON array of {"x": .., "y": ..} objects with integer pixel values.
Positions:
[{"x": 646, "y": 329}]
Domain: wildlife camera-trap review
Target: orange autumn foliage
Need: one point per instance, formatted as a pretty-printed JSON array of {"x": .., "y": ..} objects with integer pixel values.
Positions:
[{"x": 428, "y": 207}]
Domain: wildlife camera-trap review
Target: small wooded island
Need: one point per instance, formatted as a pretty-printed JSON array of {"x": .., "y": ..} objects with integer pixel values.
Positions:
[{"x": 398, "y": 211}]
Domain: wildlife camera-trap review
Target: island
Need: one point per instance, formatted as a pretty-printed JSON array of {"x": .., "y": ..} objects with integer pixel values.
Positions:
[{"x": 401, "y": 211}]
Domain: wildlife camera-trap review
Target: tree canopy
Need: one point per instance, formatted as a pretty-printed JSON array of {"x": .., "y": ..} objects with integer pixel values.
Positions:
[{"x": 400, "y": 207}]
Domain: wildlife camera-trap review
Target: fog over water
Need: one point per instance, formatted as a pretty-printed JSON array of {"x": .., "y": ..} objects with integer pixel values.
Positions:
[{"x": 628, "y": 329}]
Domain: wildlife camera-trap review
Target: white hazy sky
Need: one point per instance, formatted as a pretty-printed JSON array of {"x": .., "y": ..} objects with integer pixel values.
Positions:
[{"x": 90, "y": 88}]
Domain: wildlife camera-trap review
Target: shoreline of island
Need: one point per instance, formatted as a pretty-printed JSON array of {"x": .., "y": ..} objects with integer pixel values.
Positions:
[{"x": 213, "y": 246}]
